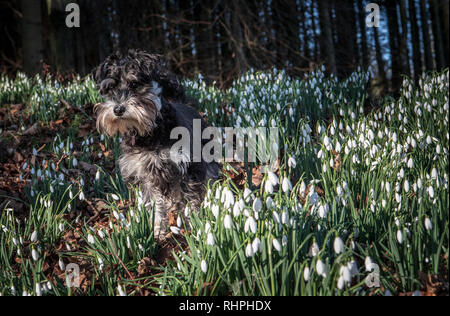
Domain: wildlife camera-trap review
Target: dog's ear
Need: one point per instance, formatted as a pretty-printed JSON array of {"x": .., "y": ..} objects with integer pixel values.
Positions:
[
  {"x": 156, "y": 67},
  {"x": 103, "y": 74}
]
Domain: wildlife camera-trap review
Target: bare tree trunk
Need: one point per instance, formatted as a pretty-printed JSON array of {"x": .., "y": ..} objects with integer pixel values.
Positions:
[
  {"x": 393, "y": 28},
  {"x": 32, "y": 36},
  {"x": 362, "y": 25},
  {"x": 444, "y": 9},
  {"x": 417, "y": 61},
  {"x": 437, "y": 35},
  {"x": 404, "y": 54},
  {"x": 426, "y": 35},
  {"x": 326, "y": 47}
]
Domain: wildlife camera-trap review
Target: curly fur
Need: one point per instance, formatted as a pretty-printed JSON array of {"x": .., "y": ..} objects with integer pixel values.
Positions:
[{"x": 154, "y": 103}]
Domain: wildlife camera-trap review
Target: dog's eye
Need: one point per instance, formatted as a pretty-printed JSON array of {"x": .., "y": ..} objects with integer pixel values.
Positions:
[{"x": 134, "y": 85}]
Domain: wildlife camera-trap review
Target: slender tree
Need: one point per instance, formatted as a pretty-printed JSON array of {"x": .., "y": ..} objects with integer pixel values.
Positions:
[{"x": 326, "y": 37}]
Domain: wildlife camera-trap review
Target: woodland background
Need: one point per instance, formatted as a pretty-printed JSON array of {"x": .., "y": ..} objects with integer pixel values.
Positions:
[{"x": 221, "y": 39}]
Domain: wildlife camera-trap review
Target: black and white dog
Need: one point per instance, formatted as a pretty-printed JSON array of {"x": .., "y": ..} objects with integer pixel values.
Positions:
[{"x": 144, "y": 101}]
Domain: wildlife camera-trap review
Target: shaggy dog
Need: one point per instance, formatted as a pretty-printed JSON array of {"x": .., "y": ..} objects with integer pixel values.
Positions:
[{"x": 144, "y": 101}]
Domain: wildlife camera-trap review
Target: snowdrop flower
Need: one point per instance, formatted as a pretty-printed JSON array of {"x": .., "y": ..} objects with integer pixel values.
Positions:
[
  {"x": 322, "y": 211},
  {"x": 236, "y": 210},
  {"x": 34, "y": 236},
  {"x": 247, "y": 194},
  {"x": 204, "y": 266},
  {"x": 179, "y": 221},
  {"x": 306, "y": 274},
  {"x": 320, "y": 268},
  {"x": 210, "y": 240},
  {"x": 399, "y": 236},
  {"x": 121, "y": 291},
  {"x": 340, "y": 283},
  {"x": 115, "y": 197},
  {"x": 273, "y": 178},
  {"x": 287, "y": 185},
  {"x": 430, "y": 191},
  {"x": 250, "y": 223},
  {"x": 257, "y": 205},
  {"x": 276, "y": 217},
  {"x": 428, "y": 224},
  {"x": 270, "y": 203},
  {"x": 284, "y": 241},
  {"x": 215, "y": 210},
  {"x": 38, "y": 290},
  {"x": 75, "y": 162},
  {"x": 338, "y": 245},
  {"x": 34, "y": 254},
  {"x": 249, "y": 250},
  {"x": 91, "y": 239},
  {"x": 256, "y": 245},
  {"x": 227, "y": 222},
  {"x": 410, "y": 163},
  {"x": 268, "y": 187},
  {"x": 291, "y": 162},
  {"x": 406, "y": 186},
  {"x": 285, "y": 217},
  {"x": 314, "y": 250},
  {"x": 368, "y": 263},
  {"x": 175, "y": 230},
  {"x": 276, "y": 244},
  {"x": 81, "y": 196}
]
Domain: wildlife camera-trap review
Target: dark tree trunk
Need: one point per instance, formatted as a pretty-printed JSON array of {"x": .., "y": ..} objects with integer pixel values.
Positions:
[
  {"x": 425, "y": 23},
  {"x": 362, "y": 25},
  {"x": 417, "y": 60},
  {"x": 32, "y": 46},
  {"x": 403, "y": 45},
  {"x": 444, "y": 9},
  {"x": 326, "y": 38},
  {"x": 380, "y": 61},
  {"x": 393, "y": 29},
  {"x": 437, "y": 35}
]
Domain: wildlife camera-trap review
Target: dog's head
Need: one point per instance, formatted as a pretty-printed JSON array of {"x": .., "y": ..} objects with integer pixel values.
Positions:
[{"x": 132, "y": 85}]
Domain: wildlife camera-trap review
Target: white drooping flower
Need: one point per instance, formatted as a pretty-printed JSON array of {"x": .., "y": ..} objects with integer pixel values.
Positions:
[
  {"x": 273, "y": 178},
  {"x": 338, "y": 245},
  {"x": 340, "y": 283},
  {"x": 250, "y": 223},
  {"x": 291, "y": 162},
  {"x": 175, "y": 230},
  {"x": 287, "y": 185},
  {"x": 257, "y": 205},
  {"x": 268, "y": 187},
  {"x": 321, "y": 268},
  {"x": 34, "y": 236},
  {"x": 399, "y": 236},
  {"x": 210, "y": 239},
  {"x": 247, "y": 194},
  {"x": 428, "y": 224},
  {"x": 256, "y": 245},
  {"x": 236, "y": 209},
  {"x": 121, "y": 291},
  {"x": 276, "y": 244},
  {"x": 91, "y": 239},
  {"x": 430, "y": 191},
  {"x": 249, "y": 250},
  {"x": 306, "y": 274},
  {"x": 34, "y": 254},
  {"x": 215, "y": 210},
  {"x": 227, "y": 221},
  {"x": 314, "y": 250},
  {"x": 204, "y": 266}
]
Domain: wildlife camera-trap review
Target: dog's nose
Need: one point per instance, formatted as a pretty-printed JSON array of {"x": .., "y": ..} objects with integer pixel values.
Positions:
[{"x": 119, "y": 110}]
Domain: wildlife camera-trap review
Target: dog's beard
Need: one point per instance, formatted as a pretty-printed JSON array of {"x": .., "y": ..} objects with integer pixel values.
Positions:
[{"x": 138, "y": 119}]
